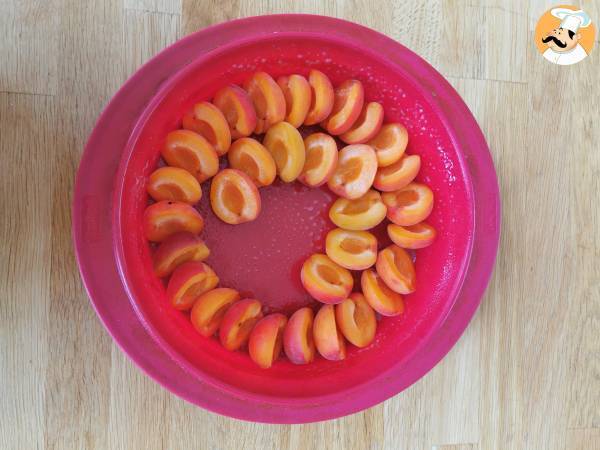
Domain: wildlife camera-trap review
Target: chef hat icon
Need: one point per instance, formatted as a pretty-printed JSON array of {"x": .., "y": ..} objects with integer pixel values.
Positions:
[{"x": 571, "y": 20}]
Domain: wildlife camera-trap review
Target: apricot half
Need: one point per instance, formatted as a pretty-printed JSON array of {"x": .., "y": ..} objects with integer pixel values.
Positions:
[
  {"x": 236, "y": 106},
  {"x": 324, "y": 280},
  {"x": 322, "y": 97},
  {"x": 397, "y": 175},
  {"x": 210, "y": 308},
  {"x": 347, "y": 105},
  {"x": 396, "y": 268},
  {"x": 390, "y": 143},
  {"x": 356, "y": 320},
  {"x": 363, "y": 213},
  {"x": 298, "y": 341},
  {"x": 173, "y": 183},
  {"x": 190, "y": 151},
  {"x": 329, "y": 340},
  {"x": 367, "y": 124},
  {"x": 234, "y": 197},
  {"x": 208, "y": 120},
  {"x": 321, "y": 159},
  {"x": 409, "y": 205},
  {"x": 285, "y": 144},
  {"x": 355, "y": 171},
  {"x": 416, "y": 236},
  {"x": 266, "y": 340},
  {"x": 190, "y": 280},
  {"x": 238, "y": 322},
  {"x": 296, "y": 91},
  {"x": 177, "y": 249},
  {"x": 165, "y": 218},
  {"x": 354, "y": 250},
  {"x": 252, "y": 158},
  {"x": 381, "y": 298},
  {"x": 268, "y": 100}
]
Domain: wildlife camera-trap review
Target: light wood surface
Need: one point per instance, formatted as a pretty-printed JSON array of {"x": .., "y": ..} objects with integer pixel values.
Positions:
[{"x": 525, "y": 375}]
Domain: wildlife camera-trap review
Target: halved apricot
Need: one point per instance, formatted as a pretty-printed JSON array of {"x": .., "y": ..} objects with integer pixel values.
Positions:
[
  {"x": 416, "y": 236},
  {"x": 252, "y": 158},
  {"x": 190, "y": 151},
  {"x": 347, "y": 105},
  {"x": 234, "y": 197},
  {"x": 165, "y": 218},
  {"x": 381, "y": 298},
  {"x": 356, "y": 319},
  {"x": 266, "y": 340},
  {"x": 285, "y": 144},
  {"x": 390, "y": 143},
  {"x": 238, "y": 322},
  {"x": 324, "y": 280},
  {"x": 363, "y": 213},
  {"x": 188, "y": 282},
  {"x": 296, "y": 91},
  {"x": 208, "y": 120},
  {"x": 210, "y": 308},
  {"x": 268, "y": 100},
  {"x": 399, "y": 174},
  {"x": 177, "y": 249},
  {"x": 322, "y": 97},
  {"x": 173, "y": 183},
  {"x": 396, "y": 268},
  {"x": 329, "y": 340},
  {"x": 236, "y": 106},
  {"x": 354, "y": 250},
  {"x": 298, "y": 341},
  {"x": 409, "y": 205},
  {"x": 355, "y": 171},
  {"x": 321, "y": 159},
  {"x": 366, "y": 126}
]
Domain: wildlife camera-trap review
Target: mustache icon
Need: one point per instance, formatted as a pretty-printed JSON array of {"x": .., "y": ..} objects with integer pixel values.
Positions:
[{"x": 556, "y": 41}]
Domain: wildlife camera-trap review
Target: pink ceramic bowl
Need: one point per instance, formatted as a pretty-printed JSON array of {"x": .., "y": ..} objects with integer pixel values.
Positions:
[{"x": 262, "y": 258}]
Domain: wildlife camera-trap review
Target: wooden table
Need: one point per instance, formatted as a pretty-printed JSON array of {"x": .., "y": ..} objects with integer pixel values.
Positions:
[{"x": 525, "y": 375}]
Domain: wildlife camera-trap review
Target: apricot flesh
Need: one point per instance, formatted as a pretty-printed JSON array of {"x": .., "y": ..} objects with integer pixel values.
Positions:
[
  {"x": 325, "y": 280},
  {"x": 210, "y": 308},
  {"x": 356, "y": 320},
  {"x": 266, "y": 340},
  {"x": 286, "y": 146},
  {"x": 321, "y": 159},
  {"x": 355, "y": 171},
  {"x": 252, "y": 158},
  {"x": 165, "y": 218},
  {"x": 353, "y": 250},
  {"x": 298, "y": 342},
  {"x": 238, "y": 322},
  {"x": 395, "y": 267},
  {"x": 363, "y": 213},
  {"x": 177, "y": 249},
  {"x": 328, "y": 339},
  {"x": 175, "y": 184},
  {"x": 234, "y": 197}
]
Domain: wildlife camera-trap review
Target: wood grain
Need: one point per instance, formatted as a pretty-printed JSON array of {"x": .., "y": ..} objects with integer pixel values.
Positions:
[{"x": 526, "y": 373}]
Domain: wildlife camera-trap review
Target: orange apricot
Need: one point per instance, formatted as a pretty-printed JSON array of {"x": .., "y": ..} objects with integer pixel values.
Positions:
[
  {"x": 234, "y": 197},
  {"x": 396, "y": 268},
  {"x": 397, "y": 175},
  {"x": 328, "y": 339},
  {"x": 173, "y": 183},
  {"x": 188, "y": 282},
  {"x": 390, "y": 143},
  {"x": 363, "y": 213},
  {"x": 210, "y": 308},
  {"x": 356, "y": 320},
  {"x": 324, "y": 280},
  {"x": 414, "y": 237},
  {"x": 268, "y": 100},
  {"x": 297, "y": 93},
  {"x": 266, "y": 340},
  {"x": 236, "y": 106},
  {"x": 321, "y": 159},
  {"x": 298, "y": 341},
  {"x": 354, "y": 250},
  {"x": 409, "y": 205},
  {"x": 252, "y": 158},
  {"x": 238, "y": 322},
  {"x": 322, "y": 97},
  {"x": 190, "y": 151},
  {"x": 177, "y": 249},
  {"x": 208, "y": 120},
  {"x": 366, "y": 126},
  {"x": 347, "y": 105},
  {"x": 285, "y": 144},
  {"x": 165, "y": 218},
  {"x": 355, "y": 171},
  {"x": 381, "y": 298}
]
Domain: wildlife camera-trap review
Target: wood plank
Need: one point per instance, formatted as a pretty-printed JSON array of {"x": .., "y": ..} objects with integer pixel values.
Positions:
[
  {"x": 29, "y": 46},
  {"x": 583, "y": 439},
  {"x": 156, "y": 6}
]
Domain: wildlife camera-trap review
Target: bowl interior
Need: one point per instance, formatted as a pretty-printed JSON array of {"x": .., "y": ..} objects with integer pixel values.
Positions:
[{"x": 262, "y": 258}]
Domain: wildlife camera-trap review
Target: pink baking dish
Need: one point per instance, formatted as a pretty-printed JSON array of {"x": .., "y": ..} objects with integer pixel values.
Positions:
[{"x": 262, "y": 258}]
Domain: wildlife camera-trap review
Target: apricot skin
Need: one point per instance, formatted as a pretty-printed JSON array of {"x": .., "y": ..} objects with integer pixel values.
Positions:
[
  {"x": 266, "y": 340},
  {"x": 298, "y": 341},
  {"x": 238, "y": 322},
  {"x": 177, "y": 249}
]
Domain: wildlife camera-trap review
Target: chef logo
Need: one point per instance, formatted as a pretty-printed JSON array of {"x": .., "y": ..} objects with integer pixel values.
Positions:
[{"x": 565, "y": 35}]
